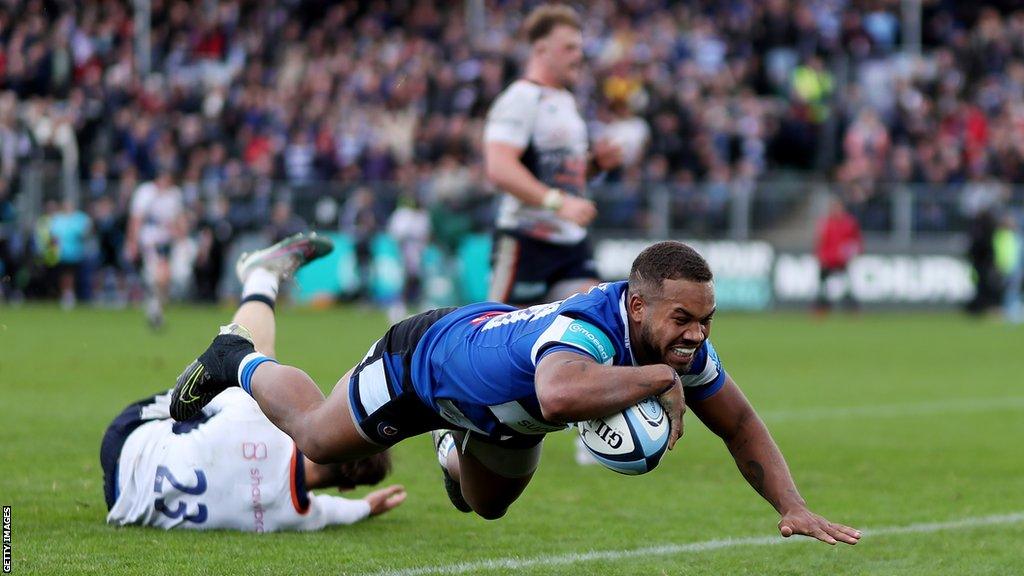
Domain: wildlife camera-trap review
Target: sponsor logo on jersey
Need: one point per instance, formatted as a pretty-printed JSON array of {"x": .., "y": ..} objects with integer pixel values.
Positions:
[
  {"x": 533, "y": 427},
  {"x": 387, "y": 429},
  {"x": 577, "y": 330},
  {"x": 254, "y": 451},
  {"x": 255, "y": 479}
]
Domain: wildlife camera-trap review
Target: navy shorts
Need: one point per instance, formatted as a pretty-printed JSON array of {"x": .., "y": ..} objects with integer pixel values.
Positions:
[
  {"x": 113, "y": 441},
  {"x": 524, "y": 270},
  {"x": 381, "y": 397},
  {"x": 384, "y": 405}
]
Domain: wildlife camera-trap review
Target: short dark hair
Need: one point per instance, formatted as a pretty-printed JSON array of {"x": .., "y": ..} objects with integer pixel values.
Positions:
[
  {"x": 364, "y": 471},
  {"x": 544, "y": 18},
  {"x": 668, "y": 260}
]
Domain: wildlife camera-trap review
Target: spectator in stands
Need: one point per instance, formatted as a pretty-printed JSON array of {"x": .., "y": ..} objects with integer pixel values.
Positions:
[
  {"x": 1008, "y": 246},
  {"x": 981, "y": 254},
  {"x": 359, "y": 220},
  {"x": 839, "y": 242},
  {"x": 283, "y": 222},
  {"x": 214, "y": 234},
  {"x": 248, "y": 97},
  {"x": 70, "y": 228},
  {"x": 11, "y": 246},
  {"x": 109, "y": 226},
  {"x": 409, "y": 225},
  {"x": 44, "y": 276}
]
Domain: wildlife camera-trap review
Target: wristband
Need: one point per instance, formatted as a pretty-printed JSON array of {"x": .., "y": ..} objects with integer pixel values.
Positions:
[{"x": 553, "y": 200}]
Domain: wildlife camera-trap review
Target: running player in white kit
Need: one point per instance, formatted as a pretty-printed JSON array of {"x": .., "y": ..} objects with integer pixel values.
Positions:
[
  {"x": 156, "y": 221},
  {"x": 536, "y": 152}
]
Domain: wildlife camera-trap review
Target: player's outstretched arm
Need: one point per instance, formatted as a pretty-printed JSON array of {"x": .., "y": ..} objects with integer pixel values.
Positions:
[
  {"x": 572, "y": 387},
  {"x": 341, "y": 511},
  {"x": 729, "y": 415},
  {"x": 385, "y": 499}
]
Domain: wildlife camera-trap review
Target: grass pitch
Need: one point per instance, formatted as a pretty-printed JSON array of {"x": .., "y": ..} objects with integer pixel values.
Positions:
[{"x": 887, "y": 421}]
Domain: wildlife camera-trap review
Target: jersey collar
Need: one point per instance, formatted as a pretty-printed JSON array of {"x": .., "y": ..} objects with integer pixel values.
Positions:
[{"x": 625, "y": 325}]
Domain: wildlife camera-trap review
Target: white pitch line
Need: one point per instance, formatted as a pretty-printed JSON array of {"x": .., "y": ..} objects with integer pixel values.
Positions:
[
  {"x": 518, "y": 563},
  {"x": 955, "y": 406}
]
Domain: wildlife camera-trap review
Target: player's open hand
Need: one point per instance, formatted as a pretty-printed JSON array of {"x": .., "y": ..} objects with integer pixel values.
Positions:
[
  {"x": 578, "y": 210},
  {"x": 385, "y": 499},
  {"x": 674, "y": 405},
  {"x": 808, "y": 523}
]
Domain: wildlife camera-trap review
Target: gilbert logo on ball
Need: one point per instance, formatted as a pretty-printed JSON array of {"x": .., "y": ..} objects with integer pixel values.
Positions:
[{"x": 629, "y": 442}]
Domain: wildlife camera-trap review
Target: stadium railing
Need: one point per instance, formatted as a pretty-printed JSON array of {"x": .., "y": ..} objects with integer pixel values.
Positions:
[{"x": 783, "y": 212}]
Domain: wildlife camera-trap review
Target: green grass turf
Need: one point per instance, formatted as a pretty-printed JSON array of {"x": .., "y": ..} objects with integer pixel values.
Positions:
[{"x": 886, "y": 420}]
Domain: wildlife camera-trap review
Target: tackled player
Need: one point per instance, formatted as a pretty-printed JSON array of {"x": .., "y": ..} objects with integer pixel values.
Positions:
[{"x": 228, "y": 467}]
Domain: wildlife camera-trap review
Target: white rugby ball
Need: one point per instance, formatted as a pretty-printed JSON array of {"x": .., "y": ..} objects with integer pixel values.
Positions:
[{"x": 629, "y": 442}]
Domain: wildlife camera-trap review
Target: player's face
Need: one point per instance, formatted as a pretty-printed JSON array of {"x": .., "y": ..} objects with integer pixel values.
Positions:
[
  {"x": 563, "y": 54},
  {"x": 674, "y": 324}
]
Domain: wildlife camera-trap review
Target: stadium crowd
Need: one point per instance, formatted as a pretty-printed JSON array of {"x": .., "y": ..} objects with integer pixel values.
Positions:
[{"x": 250, "y": 105}]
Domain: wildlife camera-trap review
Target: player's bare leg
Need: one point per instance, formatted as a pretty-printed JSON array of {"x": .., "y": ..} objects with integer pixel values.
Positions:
[
  {"x": 157, "y": 277},
  {"x": 235, "y": 348},
  {"x": 242, "y": 355},
  {"x": 322, "y": 428},
  {"x": 483, "y": 478},
  {"x": 258, "y": 319},
  {"x": 488, "y": 493},
  {"x": 256, "y": 312},
  {"x": 261, "y": 273}
]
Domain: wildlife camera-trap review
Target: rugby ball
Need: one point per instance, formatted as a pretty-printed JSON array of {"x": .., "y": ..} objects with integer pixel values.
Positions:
[{"x": 629, "y": 442}]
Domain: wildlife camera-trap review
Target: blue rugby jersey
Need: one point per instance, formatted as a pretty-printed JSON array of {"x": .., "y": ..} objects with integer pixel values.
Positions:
[{"x": 476, "y": 365}]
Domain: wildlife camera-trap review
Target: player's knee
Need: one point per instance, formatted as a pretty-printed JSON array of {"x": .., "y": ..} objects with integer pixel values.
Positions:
[
  {"x": 487, "y": 506},
  {"x": 324, "y": 449},
  {"x": 490, "y": 512},
  {"x": 308, "y": 441},
  {"x": 313, "y": 448}
]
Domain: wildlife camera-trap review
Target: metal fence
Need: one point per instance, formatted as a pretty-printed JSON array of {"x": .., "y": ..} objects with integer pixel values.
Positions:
[{"x": 784, "y": 212}]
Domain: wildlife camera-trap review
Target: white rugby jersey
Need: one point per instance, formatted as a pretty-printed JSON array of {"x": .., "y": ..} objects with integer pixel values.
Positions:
[
  {"x": 158, "y": 211},
  {"x": 231, "y": 469},
  {"x": 547, "y": 125}
]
